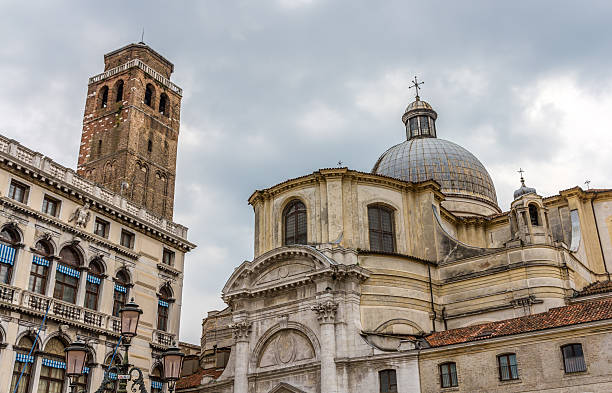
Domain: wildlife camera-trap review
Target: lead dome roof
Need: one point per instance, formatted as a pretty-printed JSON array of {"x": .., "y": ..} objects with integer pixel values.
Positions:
[{"x": 426, "y": 157}]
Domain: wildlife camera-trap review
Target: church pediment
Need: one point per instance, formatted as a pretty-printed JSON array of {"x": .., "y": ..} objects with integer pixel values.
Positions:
[
  {"x": 285, "y": 388},
  {"x": 283, "y": 271}
]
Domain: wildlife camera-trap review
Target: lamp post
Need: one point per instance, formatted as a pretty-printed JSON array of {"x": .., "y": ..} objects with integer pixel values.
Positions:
[{"x": 76, "y": 354}]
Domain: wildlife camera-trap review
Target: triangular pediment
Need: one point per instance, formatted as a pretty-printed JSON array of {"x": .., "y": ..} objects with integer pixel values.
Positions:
[{"x": 286, "y": 388}]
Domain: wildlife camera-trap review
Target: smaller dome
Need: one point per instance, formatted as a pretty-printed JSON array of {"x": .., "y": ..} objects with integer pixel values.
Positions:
[
  {"x": 524, "y": 190},
  {"x": 418, "y": 104}
]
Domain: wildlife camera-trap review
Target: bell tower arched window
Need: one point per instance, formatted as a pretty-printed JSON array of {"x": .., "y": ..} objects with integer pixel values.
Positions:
[
  {"x": 104, "y": 97},
  {"x": 382, "y": 228},
  {"x": 67, "y": 275},
  {"x": 534, "y": 215},
  {"x": 163, "y": 308},
  {"x": 149, "y": 95},
  {"x": 294, "y": 218},
  {"x": 119, "y": 91},
  {"x": 163, "y": 104}
]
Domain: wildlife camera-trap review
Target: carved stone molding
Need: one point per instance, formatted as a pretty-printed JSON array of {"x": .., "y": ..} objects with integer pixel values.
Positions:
[
  {"x": 241, "y": 330},
  {"x": 326, "y": 311}
]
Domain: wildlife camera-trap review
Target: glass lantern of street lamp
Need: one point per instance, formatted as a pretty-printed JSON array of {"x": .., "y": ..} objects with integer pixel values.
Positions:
[
  {"x": 76, "y": 354},
  {"x": 129, "y": 314},
  {"x": 173, "y": 362}
]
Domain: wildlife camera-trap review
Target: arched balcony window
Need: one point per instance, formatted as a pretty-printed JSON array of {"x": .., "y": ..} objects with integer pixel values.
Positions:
[
  {"x": 149, "y": 95},
  {"x": 39, "y": 271},
  {"x": 157, "y": 382},
  {"x": 92, "y": 288},
  {"x": 67, "y": 275},
  {"x": 119, "y": 91},
  {"x": 163, "y": 308},
  {"x": 382, "y": 228},
  {"x": 9, "y": 240},
  {"x": 23, "y": 364},
  {"x": 534, "y": 215},
  {"x": 104, "y": 97},
  {"x": 52, "y": 372},
  {"x": 120, "y": 294},
  {"x": 294, "y": 218}
]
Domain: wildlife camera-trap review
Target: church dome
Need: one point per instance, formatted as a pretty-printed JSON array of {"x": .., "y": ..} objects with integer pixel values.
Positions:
[{"x": 425, "y": 157}]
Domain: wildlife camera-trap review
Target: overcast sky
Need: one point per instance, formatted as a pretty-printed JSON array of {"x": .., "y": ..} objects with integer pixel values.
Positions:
[{"x": 280, "y": 88}]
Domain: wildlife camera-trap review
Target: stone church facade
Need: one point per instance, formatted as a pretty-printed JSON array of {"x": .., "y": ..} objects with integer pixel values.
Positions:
[
  {"x": 74, "y": 246},
  {"x": 397, "y": 280}
]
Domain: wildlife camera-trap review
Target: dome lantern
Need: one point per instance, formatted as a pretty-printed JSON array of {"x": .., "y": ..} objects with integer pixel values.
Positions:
[{"x": 419, "y": 117}]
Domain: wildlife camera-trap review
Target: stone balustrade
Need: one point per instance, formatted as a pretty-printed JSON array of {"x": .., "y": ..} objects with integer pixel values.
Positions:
[
  {"x": 57, "y": 172},
  {"x": 140, "y": 64},
  {"x": 163, "y": 338}
]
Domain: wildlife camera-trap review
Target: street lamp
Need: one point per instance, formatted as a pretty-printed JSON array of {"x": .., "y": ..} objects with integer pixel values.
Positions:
[
  {"x": 172, "y": 359},
  {"x": 130, "y": 316},
  {"x": 76, "y": 354}
]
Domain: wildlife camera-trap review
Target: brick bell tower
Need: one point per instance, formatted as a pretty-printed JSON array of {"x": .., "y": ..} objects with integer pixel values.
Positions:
[{"x": 131, "y": 128}]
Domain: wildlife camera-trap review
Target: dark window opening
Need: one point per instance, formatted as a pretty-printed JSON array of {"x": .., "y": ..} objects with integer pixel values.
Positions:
[
  {"x": 163, "y": 104},
  {"x": 18, "y": 191},
  {"x": 149, "y": 95},
  {"x": 414, "y": 126},
  {"x": 382, "y": 231},
  {"x": 39, "y": 271},
  {"x": 119, "y": 96},
  {"x": 168, "y": 257},
  {"x": 388, "y": 381},
  {"x": 9, "y": 238},
  {"x": 150, "y": 146},
  {"x": 295, "y": 223},
  {"x": 573, "y": 358},
  {"x": 92, "y": 289},
  {"x": 104, "y": 97},
  {"x": 424, "y": 120},
  {"x": 534, "y": 215},
  {"x": 101, "y": 227},
  {"x": 99, "y": 147},
  {"x": 448, "y": 375},
  {"x": 508, "y": 368},
  {"x": 50, "y": 206},
  {"x": 127, "y": 239}
]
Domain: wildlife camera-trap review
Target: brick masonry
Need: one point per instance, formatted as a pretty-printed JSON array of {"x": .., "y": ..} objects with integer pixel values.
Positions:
[{"x": 127, "y": 142}]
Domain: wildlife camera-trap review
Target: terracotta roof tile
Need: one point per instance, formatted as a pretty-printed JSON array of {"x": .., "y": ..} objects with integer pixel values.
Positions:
[
  {"x": 595, "y": 288},
  {"x": 193, "y": 380},
  {"x": 583, "y": 312}
]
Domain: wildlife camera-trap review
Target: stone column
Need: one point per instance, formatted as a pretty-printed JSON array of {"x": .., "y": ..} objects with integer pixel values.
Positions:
[
  {"x": 241, "y": 335},
  {"x": 326, "y": 314}
]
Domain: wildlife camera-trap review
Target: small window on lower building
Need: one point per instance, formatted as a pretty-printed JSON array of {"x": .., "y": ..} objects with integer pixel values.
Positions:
[
  {"x": 168, "y": 257},
  {"x": 388, "y": 381},
  {"x": 101, "y": 227},
  {"x": 573, "y": 358},
  {"x": 50, "y": 206},
  {"x": 127, "y": 239},
  {"x": 18, "y": 191},
  {"x": 448, "y": 375},
  {"x": 507, "y": 366}
]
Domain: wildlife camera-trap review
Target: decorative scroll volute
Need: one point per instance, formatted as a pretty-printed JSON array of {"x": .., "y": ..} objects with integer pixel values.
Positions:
[{"x": 241, "y": 330}]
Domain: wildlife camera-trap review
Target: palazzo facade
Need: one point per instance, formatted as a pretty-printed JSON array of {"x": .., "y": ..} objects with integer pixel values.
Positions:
[
  {"x": 75, "y": 247},
  {"x": 362, "y": 282}
]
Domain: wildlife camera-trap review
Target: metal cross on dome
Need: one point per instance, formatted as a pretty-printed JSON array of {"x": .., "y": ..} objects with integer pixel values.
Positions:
[
  {"x": 415, "y": 84},
  {"x": 521, "y": 171}
]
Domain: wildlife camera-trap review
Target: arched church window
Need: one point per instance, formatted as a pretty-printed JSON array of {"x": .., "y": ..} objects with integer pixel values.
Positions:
[
  {"x": 294, "y": 217},
  {"x": 39, "y": 272},
  {"x": 149, "y": 95},
  {"x": 9, "y": 239},
  {"x": 67, "y": 275},
  {"x": 534, "y": 215},
  {"x": 104, "y": 97},
  {"x": 163, "y": 104},
  {"x": 119, "y": 91},
  {"x": 381, "y": 226}
]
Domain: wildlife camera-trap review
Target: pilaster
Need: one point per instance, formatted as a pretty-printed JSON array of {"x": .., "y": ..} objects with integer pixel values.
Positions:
[{"x": 326, "y": 315}]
